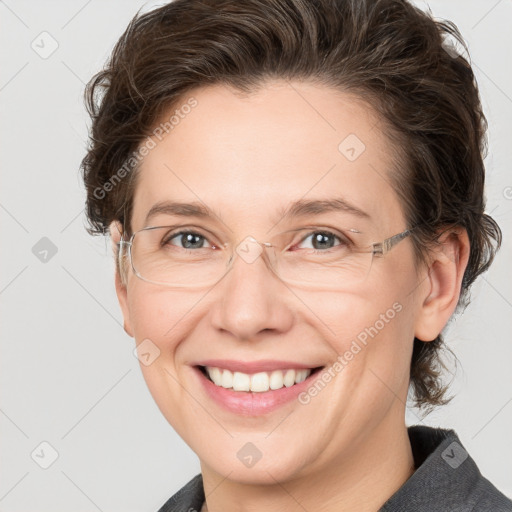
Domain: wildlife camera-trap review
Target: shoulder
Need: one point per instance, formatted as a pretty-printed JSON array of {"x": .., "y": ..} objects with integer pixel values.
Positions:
[
  {"x": 189, "y": 498},
  {"x": 446, "y": 478},
  {"x": 487, "y": 498}
]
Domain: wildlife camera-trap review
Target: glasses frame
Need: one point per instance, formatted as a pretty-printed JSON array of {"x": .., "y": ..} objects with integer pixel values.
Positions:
[{"x": 378, "y": 249}]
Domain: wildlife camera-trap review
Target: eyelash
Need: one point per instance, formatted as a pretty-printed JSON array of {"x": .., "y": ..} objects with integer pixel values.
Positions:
[
  {"x": 325, "y": 233},
  {"x": 170, "y": 237},
  {"x": 343, "y": 241}
]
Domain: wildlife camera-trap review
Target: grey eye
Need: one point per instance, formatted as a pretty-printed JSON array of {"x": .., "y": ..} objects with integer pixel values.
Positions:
[
  {"x": 187, "y": 240},
  {"x": 321, "y": 240}
]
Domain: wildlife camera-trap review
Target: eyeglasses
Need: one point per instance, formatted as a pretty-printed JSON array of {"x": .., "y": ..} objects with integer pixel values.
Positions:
[{"x": 189, "y": 257}]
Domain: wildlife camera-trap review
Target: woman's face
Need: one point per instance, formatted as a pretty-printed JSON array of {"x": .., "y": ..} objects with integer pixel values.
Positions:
[{"x": 248, "y": 159}]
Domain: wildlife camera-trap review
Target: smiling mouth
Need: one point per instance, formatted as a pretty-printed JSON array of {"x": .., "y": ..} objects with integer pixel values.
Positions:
[{"x": 260, "y": 382}]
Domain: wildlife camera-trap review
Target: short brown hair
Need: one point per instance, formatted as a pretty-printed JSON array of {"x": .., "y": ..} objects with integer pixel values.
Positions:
[{"x": 388, "y": 52}]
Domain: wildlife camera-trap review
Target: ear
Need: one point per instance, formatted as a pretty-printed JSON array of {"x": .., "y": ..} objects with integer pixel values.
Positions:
[
  {"x": 446, "y": 270},
  {"x": 115, "y": 230}
]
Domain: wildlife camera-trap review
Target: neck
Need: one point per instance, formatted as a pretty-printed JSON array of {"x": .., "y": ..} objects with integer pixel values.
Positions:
[{"x": 361, "y": 481}]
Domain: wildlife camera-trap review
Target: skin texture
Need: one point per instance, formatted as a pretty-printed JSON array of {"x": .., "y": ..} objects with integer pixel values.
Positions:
[{"x": 247, "y": 157}]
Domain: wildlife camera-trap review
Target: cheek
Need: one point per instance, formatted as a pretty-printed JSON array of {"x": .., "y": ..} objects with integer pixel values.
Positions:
[
  {"x": 372, "y": 368},
  {"x": 375, "y": 310},
  {"x": 160, "y": 319},
  {"x": 371, "y": 332},
  {"x": 159, "y": 315}
]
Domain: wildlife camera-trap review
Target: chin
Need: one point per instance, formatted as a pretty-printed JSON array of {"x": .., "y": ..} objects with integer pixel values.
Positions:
[{"x": 236, "y": 464}]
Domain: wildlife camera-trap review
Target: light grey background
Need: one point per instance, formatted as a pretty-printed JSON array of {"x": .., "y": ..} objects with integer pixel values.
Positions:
[{"x": 68, "y": 374}]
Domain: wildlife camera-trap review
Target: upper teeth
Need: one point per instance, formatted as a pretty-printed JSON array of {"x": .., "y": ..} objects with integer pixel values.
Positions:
[{"x": 257, "y": 382}]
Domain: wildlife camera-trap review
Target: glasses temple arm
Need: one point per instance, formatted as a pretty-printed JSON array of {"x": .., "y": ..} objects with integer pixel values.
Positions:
[{"x": 385, "y": 246}]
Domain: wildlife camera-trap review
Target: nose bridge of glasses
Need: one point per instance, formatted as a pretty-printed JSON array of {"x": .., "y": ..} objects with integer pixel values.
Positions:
[{"x": 249, "y": 250}]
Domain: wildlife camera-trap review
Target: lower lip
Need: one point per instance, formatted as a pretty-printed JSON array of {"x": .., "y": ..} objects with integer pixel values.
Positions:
[{"x": 247, "y": 403}]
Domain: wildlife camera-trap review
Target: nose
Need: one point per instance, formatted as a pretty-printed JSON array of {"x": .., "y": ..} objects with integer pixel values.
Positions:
[{"x": 252, "y": 300}]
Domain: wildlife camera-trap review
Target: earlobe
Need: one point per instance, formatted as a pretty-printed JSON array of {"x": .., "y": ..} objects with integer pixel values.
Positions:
[
  {"x": 121, "y": 287},
  {"x": 444, "y": 278}
]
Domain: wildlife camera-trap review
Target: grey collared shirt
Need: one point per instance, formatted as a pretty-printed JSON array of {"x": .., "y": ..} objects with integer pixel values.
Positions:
[{"x": 446, "y": 479}]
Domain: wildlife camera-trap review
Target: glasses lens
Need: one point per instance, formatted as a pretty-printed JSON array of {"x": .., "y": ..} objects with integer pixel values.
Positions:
[
  {"x": 177, "y": 258},
  {"x": 323, "y": 270}
]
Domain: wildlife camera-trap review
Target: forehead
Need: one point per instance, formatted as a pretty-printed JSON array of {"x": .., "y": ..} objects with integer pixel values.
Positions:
[{"x": 249, "y": 157}]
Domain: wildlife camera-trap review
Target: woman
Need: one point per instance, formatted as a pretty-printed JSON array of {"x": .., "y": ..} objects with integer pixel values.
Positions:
[{"x": 294, "y": 192}]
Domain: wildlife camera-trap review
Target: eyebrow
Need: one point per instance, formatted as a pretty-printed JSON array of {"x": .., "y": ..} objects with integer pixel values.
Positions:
[
  {"x": 300, "y": 208},
  {"x": 303, "y": 207},
  {"x": 193, "y": 209}
]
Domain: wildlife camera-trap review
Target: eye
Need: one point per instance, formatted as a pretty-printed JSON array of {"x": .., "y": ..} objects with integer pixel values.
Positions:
[
  {"x": 322, "y": 240},
  {"x": 186, "y": 240}
]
